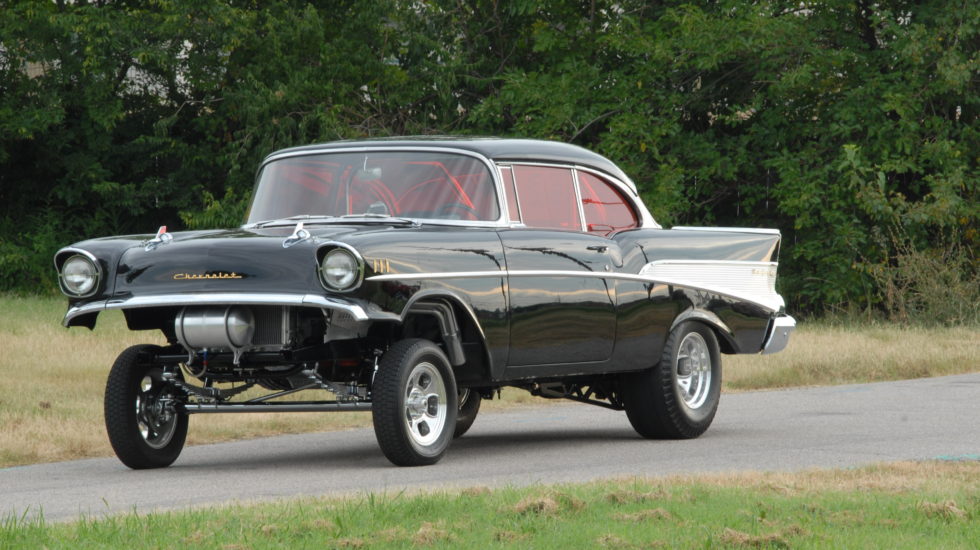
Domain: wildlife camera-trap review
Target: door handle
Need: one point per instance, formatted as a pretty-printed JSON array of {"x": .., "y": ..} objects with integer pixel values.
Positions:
[{"x": 601, "y": 248}]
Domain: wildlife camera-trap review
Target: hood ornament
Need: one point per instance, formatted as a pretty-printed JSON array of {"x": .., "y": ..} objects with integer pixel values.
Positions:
[
  {"x": 161, "y": 239},
  {"x": 299, "y": 235}
]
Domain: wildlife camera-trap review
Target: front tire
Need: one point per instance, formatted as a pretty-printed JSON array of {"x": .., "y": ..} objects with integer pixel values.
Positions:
[
  {"x": 678, "y": 398},
  {"x": 143, "y": 426},
  {"x": 414, "y": 403}
]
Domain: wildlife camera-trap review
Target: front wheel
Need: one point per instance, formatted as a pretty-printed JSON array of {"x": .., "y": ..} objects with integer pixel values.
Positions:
[
  {"x": 678, "y": 398},
  {"x": 144, "y": 427},
  {"x": 414, "y": 403}
]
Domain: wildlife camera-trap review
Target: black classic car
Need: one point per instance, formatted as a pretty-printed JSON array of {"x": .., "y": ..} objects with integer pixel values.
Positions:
[{"x": 413, "y": 278}]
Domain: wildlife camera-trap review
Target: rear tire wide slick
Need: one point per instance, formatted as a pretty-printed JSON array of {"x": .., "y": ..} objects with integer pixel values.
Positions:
[{"x": 677, "y": 398}]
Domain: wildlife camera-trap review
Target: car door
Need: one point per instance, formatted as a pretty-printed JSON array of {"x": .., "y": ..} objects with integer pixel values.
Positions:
[{"x": 561, "y": 305}]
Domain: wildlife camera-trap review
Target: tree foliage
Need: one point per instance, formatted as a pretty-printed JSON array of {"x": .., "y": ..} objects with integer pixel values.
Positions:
[{"x": 850, "y": 125}]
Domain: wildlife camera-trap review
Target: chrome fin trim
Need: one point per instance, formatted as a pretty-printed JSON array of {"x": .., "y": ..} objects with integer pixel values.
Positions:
[{"x": 752, "y": 281}]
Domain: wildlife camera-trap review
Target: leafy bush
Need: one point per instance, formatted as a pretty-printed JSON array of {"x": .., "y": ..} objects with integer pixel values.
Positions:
[{"x": 935, "y": 285}]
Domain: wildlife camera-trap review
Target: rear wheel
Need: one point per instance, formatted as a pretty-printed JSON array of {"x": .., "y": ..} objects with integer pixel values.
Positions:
[
  {"x": 144, "y": 427},
  {"x": 469, "y": 406},
  {"x": 678, "y": 398},
  {"x": 415, "y": 404}
]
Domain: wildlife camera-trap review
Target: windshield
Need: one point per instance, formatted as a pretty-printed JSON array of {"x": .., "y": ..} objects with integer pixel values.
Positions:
[{"x": 427, "y": 185}]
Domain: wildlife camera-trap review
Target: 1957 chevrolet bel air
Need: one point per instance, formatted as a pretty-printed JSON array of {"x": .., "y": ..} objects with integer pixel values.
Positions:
[{"x": 414, "y": 277}]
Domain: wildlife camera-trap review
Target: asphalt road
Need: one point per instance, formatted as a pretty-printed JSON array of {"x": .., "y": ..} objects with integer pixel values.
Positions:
[{"x": 838, "y": 426}]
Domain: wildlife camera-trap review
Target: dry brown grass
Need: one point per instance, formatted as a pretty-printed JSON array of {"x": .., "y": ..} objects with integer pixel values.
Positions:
[
  {"x": 895, "y": 477},
  {"x": 820, "y": 355},
  {"x": 52, "y": 379}
]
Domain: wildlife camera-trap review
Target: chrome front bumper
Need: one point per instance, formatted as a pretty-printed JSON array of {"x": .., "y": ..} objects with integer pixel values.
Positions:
[
  {"x": 779, "y": 334},
  {"x": 357, "y": 312}
]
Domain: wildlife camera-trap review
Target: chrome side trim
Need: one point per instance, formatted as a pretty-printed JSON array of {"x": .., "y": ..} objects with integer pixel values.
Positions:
[
  {"x": 771, "y": 303},
  {"x": 761, "y": 230},
  {"x": 227, "y": 298},
  {"x": 782, "y": 328}
]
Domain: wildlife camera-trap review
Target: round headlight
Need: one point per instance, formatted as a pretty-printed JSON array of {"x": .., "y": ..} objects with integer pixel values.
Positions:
[
  {"x": 340, "y": 270},
  {"x": 79, "y": 276}
]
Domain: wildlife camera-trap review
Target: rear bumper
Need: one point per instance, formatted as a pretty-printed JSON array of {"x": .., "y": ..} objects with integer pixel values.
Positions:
[{"x": 782, "y": 328}]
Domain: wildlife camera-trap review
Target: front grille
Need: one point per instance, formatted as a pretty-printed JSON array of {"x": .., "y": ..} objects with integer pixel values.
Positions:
[{"x": 271, "y": 326}]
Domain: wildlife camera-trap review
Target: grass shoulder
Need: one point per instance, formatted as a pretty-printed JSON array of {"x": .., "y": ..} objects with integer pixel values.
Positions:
[{"x": 903, "y": 505}]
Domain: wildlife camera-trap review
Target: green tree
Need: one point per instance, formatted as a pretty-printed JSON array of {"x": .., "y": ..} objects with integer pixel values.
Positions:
[{"x": 830, "y": 120}]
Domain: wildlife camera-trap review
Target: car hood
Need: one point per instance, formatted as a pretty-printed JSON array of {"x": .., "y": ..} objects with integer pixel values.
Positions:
[{"x": 236, "y": 260}]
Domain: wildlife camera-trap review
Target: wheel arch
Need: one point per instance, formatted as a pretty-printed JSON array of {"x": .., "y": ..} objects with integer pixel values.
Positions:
[
  {"x": 724, "y": 334},
  {"x": 462, "y": 335}
]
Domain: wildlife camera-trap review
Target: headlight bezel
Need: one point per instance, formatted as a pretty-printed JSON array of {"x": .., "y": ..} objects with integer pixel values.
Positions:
[
  {"x": 69, "y": 255},
  {"x": 340, "y": 250}
]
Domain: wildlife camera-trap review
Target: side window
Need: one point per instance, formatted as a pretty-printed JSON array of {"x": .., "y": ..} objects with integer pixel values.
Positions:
[
  {"x": 547, "y": 197},
  {"x": 606, "y": 210}
]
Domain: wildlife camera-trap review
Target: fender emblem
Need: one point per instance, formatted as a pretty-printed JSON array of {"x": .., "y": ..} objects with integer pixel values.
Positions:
[
  {"x": 198, "y": 276},
  {"x": 381, "y": 265}
]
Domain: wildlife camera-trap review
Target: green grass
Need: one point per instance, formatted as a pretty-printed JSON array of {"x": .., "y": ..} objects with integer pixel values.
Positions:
[
  {"x": 52, "y": 379},
  {"x": 906, "y": 505}
]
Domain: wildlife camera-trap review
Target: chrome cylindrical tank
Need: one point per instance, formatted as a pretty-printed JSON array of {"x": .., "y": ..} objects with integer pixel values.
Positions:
[{"x": 215, "y": 327}]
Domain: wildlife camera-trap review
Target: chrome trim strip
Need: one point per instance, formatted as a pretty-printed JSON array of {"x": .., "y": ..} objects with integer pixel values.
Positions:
[
  {"x": 517, "y": 196},
  {"x": 760, "y": 230},
  {"x": 769, "y": 303},
  {"x": 442, "y": 275},
  {"x": 69, "y": 249},
  {"x": 578, "y": 203},
  {"x": 782, "y": 328},
  {"x": 356, "y": 311},
  {"x": 712, "y": 262}
]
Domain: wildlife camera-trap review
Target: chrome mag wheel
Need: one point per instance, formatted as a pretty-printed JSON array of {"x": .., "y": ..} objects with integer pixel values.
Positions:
[
  {"x": 414, "y": 403},
  {"x": 425, "y": 405},
  {"x": 693, "y": 367}
]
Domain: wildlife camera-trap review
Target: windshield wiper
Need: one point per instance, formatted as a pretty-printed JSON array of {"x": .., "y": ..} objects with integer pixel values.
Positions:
[
  {"x": 313, "y": 218},
  {"x": 379, "y": 216}
]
